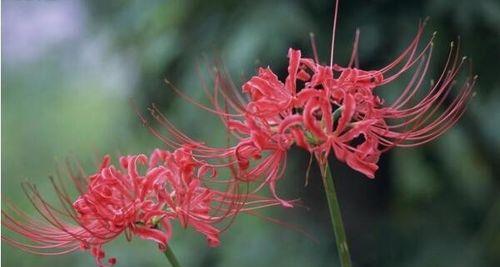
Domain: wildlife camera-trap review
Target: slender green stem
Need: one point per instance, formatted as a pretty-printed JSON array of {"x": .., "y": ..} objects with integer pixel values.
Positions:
[
  {"x": 336, "y": 217},
  {"x": 171, "y": 257}
]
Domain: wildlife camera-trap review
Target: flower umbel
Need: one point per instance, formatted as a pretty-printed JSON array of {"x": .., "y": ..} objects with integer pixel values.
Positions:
[
  {"x": 129, "y": 201},
  {"x": 337, "y": 109},
  {"x": 327, "y": 109}
]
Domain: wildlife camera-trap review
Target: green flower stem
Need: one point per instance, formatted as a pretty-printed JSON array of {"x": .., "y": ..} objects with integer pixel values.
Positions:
[
  {"x": 336, "y": 217},
  {"x": 171, "y": 257}
]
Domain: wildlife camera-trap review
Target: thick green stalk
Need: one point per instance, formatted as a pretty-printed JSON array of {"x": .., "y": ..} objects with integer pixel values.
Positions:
[
  {"x": 171, "y": 257},
  {"x": 336, "y": 217}
]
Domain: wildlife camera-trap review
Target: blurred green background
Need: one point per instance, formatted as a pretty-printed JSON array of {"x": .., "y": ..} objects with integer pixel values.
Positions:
[{"x": 70, "y": 67}]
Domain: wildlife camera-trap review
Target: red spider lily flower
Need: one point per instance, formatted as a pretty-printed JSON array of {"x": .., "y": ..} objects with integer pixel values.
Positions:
[
  {"x": 330, "y": 108},
  {"x": 126, "y": 200}
]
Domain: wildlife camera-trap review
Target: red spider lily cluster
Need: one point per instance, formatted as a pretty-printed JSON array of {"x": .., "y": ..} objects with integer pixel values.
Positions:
[
  {"x": 126, "y": 200},
  {"x": 330, "y": 108},
  {"x": 324, "y": 109}
]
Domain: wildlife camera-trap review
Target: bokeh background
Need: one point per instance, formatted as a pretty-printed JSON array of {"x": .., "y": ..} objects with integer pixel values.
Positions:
[{"x": 69, "y": 69}]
